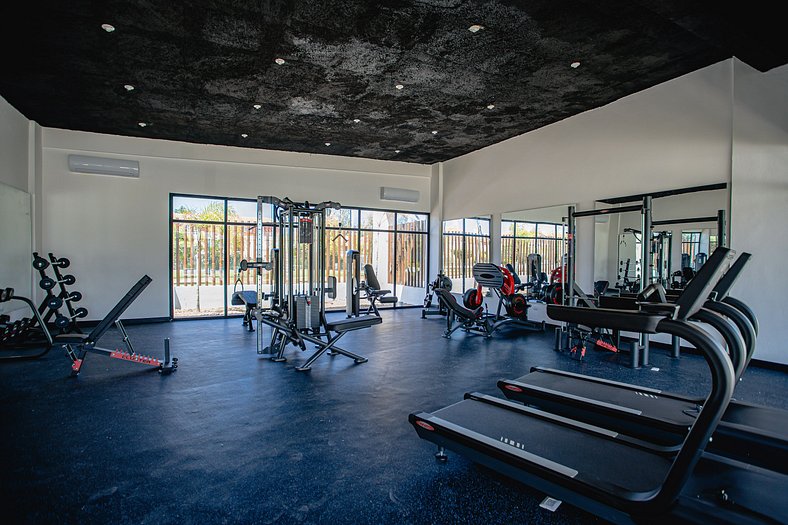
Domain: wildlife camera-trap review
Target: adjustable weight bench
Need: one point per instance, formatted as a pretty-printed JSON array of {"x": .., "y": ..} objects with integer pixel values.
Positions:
[
  {"x": 374, "y": 293},
  {"x": 469, "y": 320},
  {"x": 78, "y": 345},
  {"x": 284, "y": 334}
]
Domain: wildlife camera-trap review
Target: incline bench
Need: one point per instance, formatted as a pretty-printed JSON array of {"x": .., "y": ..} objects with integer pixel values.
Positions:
[
  {"x": 284, "y": 334},
  {"x": 78, "y": 345}
]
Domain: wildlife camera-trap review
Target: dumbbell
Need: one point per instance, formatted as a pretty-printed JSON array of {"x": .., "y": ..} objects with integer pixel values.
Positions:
[
  {"x": 39, "y": 263},
  {"x": 6, "y": 294},
  {"x": 62, "y": 321},
  {"x": 54, "y": 302},
  {"x": 47, "y": 283},
  {"x": 60, "y": 263}
]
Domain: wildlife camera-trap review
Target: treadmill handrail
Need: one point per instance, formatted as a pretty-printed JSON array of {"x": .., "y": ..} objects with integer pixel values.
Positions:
[
  {"x": 737, "y": 350},
  {"x": 722, "y": 384},
  {"x": 742, "y": 322}
]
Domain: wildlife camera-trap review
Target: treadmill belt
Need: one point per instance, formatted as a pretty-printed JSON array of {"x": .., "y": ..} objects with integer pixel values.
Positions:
[
  {"x": 666, "y": 409},
  {"x": 597, "y": 459},
  {"x": 771, "y": 420}
]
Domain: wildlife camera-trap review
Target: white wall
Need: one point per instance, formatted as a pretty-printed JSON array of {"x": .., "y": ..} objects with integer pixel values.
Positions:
[
  {"x": 16, "y": 233},
  {"x": 673, "y": 135},
  {"x": 14, "y": 128},
  {"x": 116, "y": 229},
  {"x": 759, "y": 199}
]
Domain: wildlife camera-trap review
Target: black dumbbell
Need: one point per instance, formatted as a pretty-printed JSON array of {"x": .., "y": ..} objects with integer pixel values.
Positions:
[
  {"x": 39, "y": 263},
  {"x": 47, "y": 283},
  {"x": 6, "y": 294},
  {"x": 55, "y": 302},
  {"x": 60, "y": 263},
  {"x": 62, "y": 321}
]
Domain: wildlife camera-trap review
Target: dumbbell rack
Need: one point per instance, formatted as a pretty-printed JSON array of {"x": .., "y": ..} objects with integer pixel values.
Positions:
[
  {"x": 51, "y": 305},
  {"x": 14, "y": 336}
]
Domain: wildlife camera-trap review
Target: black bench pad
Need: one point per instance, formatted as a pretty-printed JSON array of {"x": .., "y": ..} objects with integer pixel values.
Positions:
[
  {"x": 66, "y": 339},
  {"x": 451, "y": 303},
  {"x": 247, "y": 297},
  {"x": 632, "y": 321},
  {"x": 353, "y": 323},
  {"x": 388, "y": 299}
]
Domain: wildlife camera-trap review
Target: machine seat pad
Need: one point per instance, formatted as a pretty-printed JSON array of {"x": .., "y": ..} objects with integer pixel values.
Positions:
[
  {"x": 353, "y": 323},
  {"x": 66, "y": 339},
  {"x": 247, "y": 297},
  {"x": 388, "y": 299},
  {"x": 631, "y": 321},
  {"x": 460, "y": 311}
]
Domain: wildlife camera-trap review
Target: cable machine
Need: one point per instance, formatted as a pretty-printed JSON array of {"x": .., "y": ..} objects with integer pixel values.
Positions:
[
  {"x": 573, "y": 294},
  {"x": 299, "y": 283}
]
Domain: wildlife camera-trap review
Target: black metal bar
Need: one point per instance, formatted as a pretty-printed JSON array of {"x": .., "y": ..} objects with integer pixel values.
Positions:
[
  {"x": 666, "y": 193},
  {"x": 608, "y": 211},
  {"x": 721, "y": 237},
  {"x": 684, "y": 221}
]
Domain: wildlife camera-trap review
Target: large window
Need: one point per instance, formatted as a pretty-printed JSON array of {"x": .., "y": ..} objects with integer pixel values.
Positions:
[
  {"x": 521, "y": 238},
  {"x": 690, "y": 247},
  {"x": 210, "y": 236},
  {"x": 465, "y": 243},
  {"x": 394, "y": 243}
]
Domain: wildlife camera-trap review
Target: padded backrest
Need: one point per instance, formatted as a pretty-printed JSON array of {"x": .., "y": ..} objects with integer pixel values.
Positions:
[
  {"x": 119, "y": 308},
  {"x": 451, "y": 303},
  {"x": 370, "y": 277},
  {"x": 514, "y": 274},
  {"x": 723, "y": 287},
  {"x": 488, "y": 274},
  {"x": 699, "y": 288}
]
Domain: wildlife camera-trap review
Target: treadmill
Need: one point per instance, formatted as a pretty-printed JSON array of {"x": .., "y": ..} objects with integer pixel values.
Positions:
[
  {"x": 612, "y": 475},
  {"x": 752, "y": 433}
]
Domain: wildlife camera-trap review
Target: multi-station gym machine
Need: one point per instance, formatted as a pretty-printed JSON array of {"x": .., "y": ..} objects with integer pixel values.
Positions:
[
  {"x": 299, "y": 287},
  {"x": 649, "y": 251}
]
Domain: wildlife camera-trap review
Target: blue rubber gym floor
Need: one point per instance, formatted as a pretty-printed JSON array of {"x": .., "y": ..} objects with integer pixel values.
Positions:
[{"x": 232, "y": 438}]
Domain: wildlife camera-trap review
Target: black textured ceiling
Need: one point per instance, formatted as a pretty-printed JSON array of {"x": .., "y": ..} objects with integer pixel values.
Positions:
[{"x": 198, "y": 67}]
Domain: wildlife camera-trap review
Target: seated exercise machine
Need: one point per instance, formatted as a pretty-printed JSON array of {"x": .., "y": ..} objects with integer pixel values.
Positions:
[
  {"x": 537, "y": 281},
  {"x": 460, "y": 317},
  {"x": 617, "y": 477},
  {"x": 247, "y": 298},
  {"x": 373, "y": 292},
  {"x": 512, "y": 307},
  {"x": 297, "y": 313},
  {"x": 78, "y": 345},
  {"x": 440, "y": 282}
]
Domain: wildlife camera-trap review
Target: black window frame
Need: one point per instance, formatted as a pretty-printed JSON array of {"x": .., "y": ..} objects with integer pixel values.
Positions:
[{"x": 358, "y": 229}]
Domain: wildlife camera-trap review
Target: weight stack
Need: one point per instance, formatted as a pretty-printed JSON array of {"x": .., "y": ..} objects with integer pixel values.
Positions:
[{"x": 307, "y": 312}]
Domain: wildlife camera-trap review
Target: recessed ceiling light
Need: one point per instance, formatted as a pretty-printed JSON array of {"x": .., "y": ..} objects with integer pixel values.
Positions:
[
  {"x": 434, "y": 131},
  {"x": 574, "y": 65},
  {"x": 128, "y": 87},
  {"x": 356, "y": 120},
  {"x": 399, "y": 86},
  {"x": 396, "y": 151},
  {"x": 475, "y": 28},
  {"x": 108, "y": 28},
  {"x": 490, "y": 106},
  {"x": 279, "y": 61},
  {"x": 328, "y": 143},
  {"x": 244, "y": 135},
  {"x": 142, "y": 124},
  {"x": 257, "y": 106}
]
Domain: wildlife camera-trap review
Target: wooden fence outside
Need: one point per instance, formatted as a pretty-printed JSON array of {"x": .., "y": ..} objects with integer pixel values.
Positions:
[{"x": 198, "y": 254}]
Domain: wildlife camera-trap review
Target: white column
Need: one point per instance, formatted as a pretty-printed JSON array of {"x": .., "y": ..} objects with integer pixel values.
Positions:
[
  {"x": 436, "y": 221},
  {"x": 495, "y": 238},
  {"x": 584, "y": 245}
]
